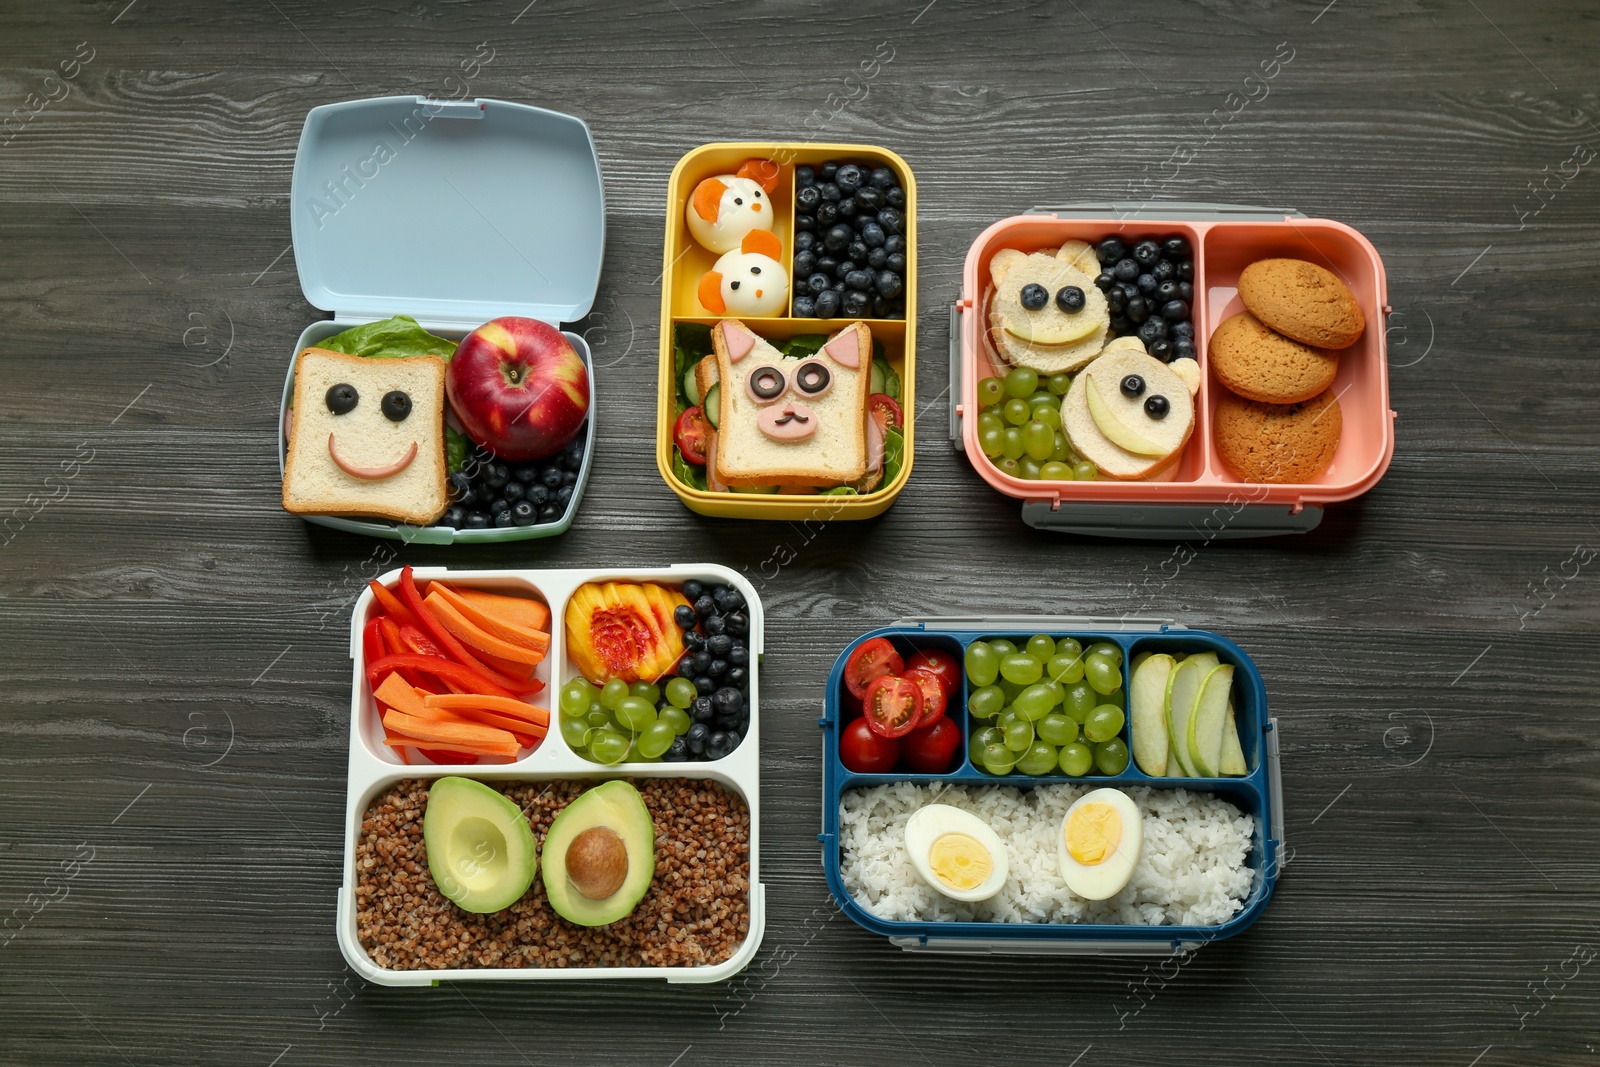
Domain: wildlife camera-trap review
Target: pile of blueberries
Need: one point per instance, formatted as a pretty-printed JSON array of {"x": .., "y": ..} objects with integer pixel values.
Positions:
[
  {"x": 849, "y": 243},
  {"x": 1150, "y": 288},
  {"x": 716, "y": 629},
  {"x": 490, "y": 493}
]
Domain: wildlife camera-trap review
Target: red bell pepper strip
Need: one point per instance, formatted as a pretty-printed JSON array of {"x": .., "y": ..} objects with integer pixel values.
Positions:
[
  {"x": 390, "y": 603},
  {"x": 443, "y": 669},
  {"x": 414, "y": 640},
  {"x": 444, "y": 638},
  {"x": 372, "y": 641},
  {"x": 394, "y": 644}
]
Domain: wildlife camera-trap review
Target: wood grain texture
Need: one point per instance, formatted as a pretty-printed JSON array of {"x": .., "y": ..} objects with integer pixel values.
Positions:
[{"x": 1439, "y": 752}]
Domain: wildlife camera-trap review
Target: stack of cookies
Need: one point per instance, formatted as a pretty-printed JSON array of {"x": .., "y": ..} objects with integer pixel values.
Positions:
[{"x": 1277, "y": 418}]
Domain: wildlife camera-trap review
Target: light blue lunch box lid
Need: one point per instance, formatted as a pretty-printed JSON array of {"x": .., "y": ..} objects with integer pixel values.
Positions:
[{"x": 452, "y": 212}]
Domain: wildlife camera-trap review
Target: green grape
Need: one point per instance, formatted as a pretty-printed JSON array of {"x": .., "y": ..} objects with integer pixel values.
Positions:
[
  {"x": 998, "y": 759},
  {"x": 1055, "y": 472},
  {"x": 1069, "y": 646},
  {"x": 1059, "y": 384},
  {"x": 1002, "y": 647},
  {"x": 1111, "y": 756},
  {"x": 1012, "y": 443},
  {"x": 1021, "y": 382},
  {"x": 1085, "y": 471},
  {"x": 1115, "y": 698},
  {"x": 633, "y": 756},
  {"x": 1102, "y": 675},
  {"x": 597, "y": 717},
  {"x": 1051, "y": 418},
  {"x": 681, "y": 692},
  {"x": 575, "y": 697},
  {"x": 992, "y": 440},
  {"x": 646, "y": 691},
  {"x": 676, "y": 718},
  {"x": 1016, "y": 412},
  {"x": 614, "y": 693},
  {"x": 1062, "y": 453},
  {"x": 1007, "y": 718},
  {"x": 1057, "y": 728},
  {"x": 982, "y": 662},
  {"x": 990, "y": 392},
  {"x": 1041, "y": 647},
  {"x": 1034, "y": 702},
  {"x": 1064, "y": 668},
  {"x": 1103, "y": 723},
  {"x": 636, "y": 714},
  {"x": 1030, "y": 468},
  {"x": 1038, "y": 440},
  {"x": 1019, "y": 735},
  {"x": 1009, "y": 688},
  {"x": 1042, "y": 402},
  {"x": 1107, "y": 648},
  {"x": 1010, "y": 466},
  {"x": 1080, "y": 700},
  {"x": 1076, "y": 759},
  {"x": 981, "y": 739},
  {"x": 608, "y": 746},
  {"x": 574, "y": 731},
  {"x": 990, "y": 420},
  {"x": 1058, "y": 692},
  {"x": 986, "y": 701},
  {"x": 1039, "y": 759},
  {"x": 1021, "y": 668},
  {"x": 655, "y": 741}
]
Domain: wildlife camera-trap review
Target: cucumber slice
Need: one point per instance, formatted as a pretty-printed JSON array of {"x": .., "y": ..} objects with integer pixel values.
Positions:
[
  {"x": 713, "y": 404},
  {"x": 691, "y": 387},
  {"x": 878, "y": 380}
]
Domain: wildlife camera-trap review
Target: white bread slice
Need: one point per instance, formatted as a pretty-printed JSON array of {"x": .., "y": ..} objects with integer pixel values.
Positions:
[
  {"x": 1091, "y": 443},
  {"x": 836, "y": 454},
  {"x": 1048, "y": 325},
  {"x": 313, "y": 484},
  {"x": 1011, "y": 351}
]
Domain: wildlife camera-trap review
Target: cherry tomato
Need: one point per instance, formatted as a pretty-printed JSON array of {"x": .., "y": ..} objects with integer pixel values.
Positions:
[
  {"x": 941, "y": 663},
  {"x": 931, "y": 749},
  {"x": 934, "y": 697},
  {"x": 871, "y": 659},
  {"x": 692, "y": 434},
  {"x": 893, "y": 705},
  {"x": 865, "y": 752},
  {"x": 889, "y": 406}
]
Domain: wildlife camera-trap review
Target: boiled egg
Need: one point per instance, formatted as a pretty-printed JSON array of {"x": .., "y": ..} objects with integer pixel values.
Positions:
[
  {"x": 956, "y": 852},
  {"x": 1101, "y": 836}
]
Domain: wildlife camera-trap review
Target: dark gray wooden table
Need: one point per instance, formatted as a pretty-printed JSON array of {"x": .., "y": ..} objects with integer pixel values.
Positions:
[{"x": 173, "y": 646}]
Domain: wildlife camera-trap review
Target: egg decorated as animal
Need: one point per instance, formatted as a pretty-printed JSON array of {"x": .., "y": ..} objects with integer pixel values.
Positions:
[
  {"x": 956, "y": 853},
  {"x": 721, "y": 210},
  {"x": 749, "y": 281},
  {"x": 1101, "y": 837}
]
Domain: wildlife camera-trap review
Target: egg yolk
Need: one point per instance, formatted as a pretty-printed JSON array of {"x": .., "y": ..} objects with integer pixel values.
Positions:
[
  {"x": 959, "y": 861},
  {"x": 1093, "y": 833}
]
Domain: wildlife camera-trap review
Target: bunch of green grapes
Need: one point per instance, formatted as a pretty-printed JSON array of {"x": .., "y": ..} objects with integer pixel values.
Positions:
[
  {"x": 1019, "y": 427},
  {"x": 1049, "y": 707},
  {"x": 619, "y": 723}
]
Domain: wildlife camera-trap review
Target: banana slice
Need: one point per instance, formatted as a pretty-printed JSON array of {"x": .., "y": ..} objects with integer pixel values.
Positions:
[{"x": 1079, "y": 254}]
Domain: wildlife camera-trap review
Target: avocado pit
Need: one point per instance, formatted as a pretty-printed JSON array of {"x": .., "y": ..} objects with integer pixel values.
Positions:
[{"x": 597, "y": 862}]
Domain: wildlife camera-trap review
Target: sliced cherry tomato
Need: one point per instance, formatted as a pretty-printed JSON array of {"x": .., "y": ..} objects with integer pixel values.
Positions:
[
  {"x": 931, "y": 749},
  {"x": 871, "y": 659},
  {"x": 893, "y": 706},
  {"x": 865, "y": 752},
  {"x": 938, "y": 662},
  {"x": 934, "y": 695},
  {"x": 692, "y": 434},
  {"x": 888, "y": 405}
]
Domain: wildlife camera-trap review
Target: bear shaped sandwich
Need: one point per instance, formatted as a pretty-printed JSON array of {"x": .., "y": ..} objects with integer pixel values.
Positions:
[{"x": 797, "y": 424}]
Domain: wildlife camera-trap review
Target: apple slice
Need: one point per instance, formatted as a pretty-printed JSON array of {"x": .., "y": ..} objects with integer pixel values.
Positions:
[
  {"x": 1183, "y": 685},
  {"x": 1115, "y": 429},
  {"x": 1208, "y": 720},
  {"x": 1232, "y": 752},
  {"x": 1148, "y": 696}
]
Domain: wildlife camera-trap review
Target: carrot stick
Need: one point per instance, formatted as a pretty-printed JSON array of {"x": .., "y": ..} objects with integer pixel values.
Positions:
[
  {"x": 491, "y": 622},
  {"x": 448, "y": 733},
  {"x": 519, "y": 610},
  {"x": 413, "y": 600},
  {"x": 517, "y": 708},
  {"x": 476, "y": 636},
  {"x": 395, "y": 693},
  {"x": 402, "y": 743}
]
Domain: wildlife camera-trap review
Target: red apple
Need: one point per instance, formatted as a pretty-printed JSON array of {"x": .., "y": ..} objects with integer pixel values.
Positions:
[{"x": 519, "y": 388}]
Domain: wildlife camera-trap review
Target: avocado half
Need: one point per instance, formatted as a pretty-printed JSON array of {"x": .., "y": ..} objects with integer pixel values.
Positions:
[
  {"x": 600, "y": 855},
  {"x": 480, "y": 846}
]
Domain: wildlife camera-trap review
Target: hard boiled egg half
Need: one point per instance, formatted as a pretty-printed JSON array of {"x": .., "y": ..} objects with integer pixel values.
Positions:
[
  {"x": 956, "y": 852},
  {"x": 1101, "y": 836}
]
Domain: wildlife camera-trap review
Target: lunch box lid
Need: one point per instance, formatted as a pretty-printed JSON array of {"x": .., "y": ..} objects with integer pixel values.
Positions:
[{"x": 454, "y": 212}]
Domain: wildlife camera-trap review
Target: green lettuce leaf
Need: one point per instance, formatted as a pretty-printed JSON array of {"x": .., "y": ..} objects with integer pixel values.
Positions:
[
  {"x": 393, "y": 338},
  {"x": 691, "y": 342},
  {"x": 456, "y": 447},
  {"x": 894, "y": 455},
  {"x": 839, "y": 490},
  {"x": 806, "y": 344},
  {"x": 891, "y": 380},
  {"x": 686, "y": 472}
]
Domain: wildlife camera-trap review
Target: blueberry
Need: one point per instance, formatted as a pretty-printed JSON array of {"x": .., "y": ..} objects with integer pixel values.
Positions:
[
  {"x": 1146, "y": 253},
  {"x": 694, "y": 739},
  {"x": 704, "y": 606},
  {"x": 804, "y": 223},
  {"x": 882, "y": 306},
  {"x": 858, "y": 250},
  {"x": 1184, "y": 350},
  {"x": 568, "y": 480},
  {"x": 551, "y": 512},
  {"x": 499, "y": 505},
  {"x": 883, "y": 178},
  {"x": 819, "y": 283},
  {"x": 1147, "y": 284},
  {"x": 1186, "y": 271},
  {"x": 827, "y": 304},
  {"x": 895, "y": 242},
  {"x": 503, "y": 519},
  {"x": 1070, "y": 299},
  {"x": 837, "y": 238},
  {"x": 720, "y": 645},
  {"x": 523, "y": 513},
  {"x": 538, "y": 493},
  {"x": 1126, "y": 270},
  {"x": 477, "y": 520},
  {"x": 677, "y": 752},
  {"x": 716, "y": 624},
  {"x": 701, "y": 710},
  {"x": 572, "y": 455},
  {"x": 1137, "y": 310},
  {"x": 826, "y": 264},
  {"x": 693, "y": 590},
  {"x": 831, "y": 193},
  {"x": 1186, "y": 292},
  {"x": 827, "y": 215},
  {"x": 857, "y": 304},
  {"x": 728, "y": 598},
  {"x": 736, "y": 677},
  {"x": 1120, "y": 325},
  {"x": 737, "y": 622},
  {"x": 1156, "y": 406},
  {"x": 1182, "y": 331},
  {"x": 872, "y": 234},
  {"x": 727, "y": 700},
  {"x": 705, "y": 684},
  {"x": 1165, "y": 270},
  {"x": 1129, "y": 289},
  {"x": 1104, "y": 281},
  {"x": 718, "y": 745},
  {"x": 454, "y": 515},
  {"x": 849, "y": 177},
  {"x": 1176, "y": 247},
  {"x": 1174, "y": 310},
  {"x": 827, "y": 171},
  {"x": 1132, "y": 386},
  {"x": 1034, "y": 296},
  {"x": 845, "y": 267},
  {"x": 1109, "y": 251},
  {"x": 1152, "y": 330},
  {"x": 847, "y": 208},
  {"x": 804, "y": 175},
  {"x": 526, "y": 473},
  {"x": 889, "y": 284},
  {"x": 514, "y": 491},
  {"x": 717, "y": 668},
  {"x": 896, "y": 262},
  {"x": 459, "y": 483},
  {"x": 877, "y": 258},
  {"x": 1117, "y": 301},
  {"x": 805, "y": 263},
  {"x": 893, "y": 220},
  {"x": 693, "y": 640},
  {"x": 738, "y": 656},
  {"x": 804, "y": 307},
  {"x": 685, "y": 617},
  {"x": 807, "y": 198},
  {"x": 1162, "y": 350},
  {"x": 895, "y": 197},
  {"x": 804, "y": 241},
  {"x": 550, "y": 477},
  {"x": 496, "y": 475},
  {"x": 870, "y": 199}
]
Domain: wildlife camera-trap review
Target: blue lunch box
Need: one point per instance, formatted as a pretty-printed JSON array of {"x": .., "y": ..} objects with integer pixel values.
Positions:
[{"x": 1258, "y": 793}]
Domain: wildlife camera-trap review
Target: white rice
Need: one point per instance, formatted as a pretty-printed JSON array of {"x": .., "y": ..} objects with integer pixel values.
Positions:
[{"x": 1191, "y": 871}]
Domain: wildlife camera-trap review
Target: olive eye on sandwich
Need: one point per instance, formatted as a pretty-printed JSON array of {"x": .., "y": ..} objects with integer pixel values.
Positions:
[
  {"x": 766, "y": 384},
  {"x": 396, "y": 405},
  {"x": 342, "y": 398},
  {"x": 813, "y": 378}
]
